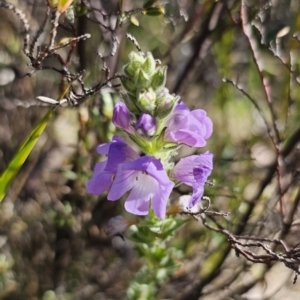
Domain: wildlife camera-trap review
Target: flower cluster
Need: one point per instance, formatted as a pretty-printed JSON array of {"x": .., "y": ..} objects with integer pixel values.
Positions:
[{"x": 159, "y": 124}]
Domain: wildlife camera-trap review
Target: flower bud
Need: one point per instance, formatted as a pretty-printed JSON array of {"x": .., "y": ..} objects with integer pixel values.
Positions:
[
  {"x": 149, "y": 64},
  {"x": 132, "y": 68},
  {"x": 128, "y": 84},
  {"x": 142, "y": 80},
  {"x": 130, "y": 102},
  {"x": 159, "y": 78},
  {"x": 165, "y": 103},
  {"x": 135, "y": 62},
  {"x": 146, "y": 125},
  {"x": 146, "y": 101},
  {"x": 122, "y": 117},
  {"x": 138, "y": 57}
]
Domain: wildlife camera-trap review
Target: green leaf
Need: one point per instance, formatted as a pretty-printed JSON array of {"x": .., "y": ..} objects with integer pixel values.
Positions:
[
  {"x": 143, "y": 234},
  {"x": 149, "y": 3},
  {"x": 154, "y": 11},
  {"x": 171, "y": 226},
  {"x": 19, "y": 159}
]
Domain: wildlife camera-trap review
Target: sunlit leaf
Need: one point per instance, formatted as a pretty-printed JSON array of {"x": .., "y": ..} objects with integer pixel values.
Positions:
[
  {"x": 22, "y": 154},
  {"x": 134, "y": 21},
  {"x": 53, "y": 3},
  {"x": 63, "y": 5},
  {"x": 19, "y": 159},
  {"x": 154, "y": 11}
]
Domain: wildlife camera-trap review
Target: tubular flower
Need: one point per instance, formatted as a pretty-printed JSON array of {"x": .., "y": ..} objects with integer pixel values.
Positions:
[
  {"x": 188, "y": 127},
  {"x": 146, "y": 180},
  {"x": 146, "y": 125},
  {"x": 194, "y": 171},
  {"x": 117, "y": 152},
  {"x": 123, "y": 118}
]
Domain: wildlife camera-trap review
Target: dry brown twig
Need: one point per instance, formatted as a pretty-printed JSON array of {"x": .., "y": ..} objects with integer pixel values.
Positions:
[{"x": 245, "y": 245}]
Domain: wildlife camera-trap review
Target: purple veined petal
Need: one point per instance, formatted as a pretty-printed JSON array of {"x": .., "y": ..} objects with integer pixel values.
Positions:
[
  {"x": 189, "y": 127},
  {"x": 156, "y": 170},
  {"x": 138, "y": 201},
  {"x": 151, "y": 165},
  {"x": 194, "y": 171},
  {"x": 104, "y": 148},
  {"x": 188, "y": 137},
  {"x": 123, "y": 182},
  {"x": 184, "y": 170},
  {"x": 176, "y": 119},
  {"x": 196, "y": 196},
  {"x": 202, "y": 172},
  {"x": 119, "y": 152},
  {"x": 147, "y": 179},
  {"x": 127, "y": 176},
  {"x": 206, "y": 122},
  {"x": 101, "y": 180},
  {"x": 160, "y": 200}
]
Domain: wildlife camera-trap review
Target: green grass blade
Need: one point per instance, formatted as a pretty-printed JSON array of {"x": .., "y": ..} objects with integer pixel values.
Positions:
[{"x": 19, "y": 159}]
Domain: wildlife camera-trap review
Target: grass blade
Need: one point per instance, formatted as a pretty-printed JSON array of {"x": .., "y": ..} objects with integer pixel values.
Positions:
[{"x": 19, "y": 159}]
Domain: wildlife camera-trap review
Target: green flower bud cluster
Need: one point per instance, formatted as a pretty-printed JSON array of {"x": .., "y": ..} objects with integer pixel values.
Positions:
[{"x": 145, "y": 82}]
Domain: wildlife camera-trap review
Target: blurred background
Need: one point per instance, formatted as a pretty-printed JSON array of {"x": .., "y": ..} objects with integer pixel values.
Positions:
[{"x": 242, "y": 67}]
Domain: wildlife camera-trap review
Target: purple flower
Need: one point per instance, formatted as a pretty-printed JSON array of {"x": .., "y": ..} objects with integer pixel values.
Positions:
[
  {"x": 147, "y": 180},
  {"x": 118, "y": 152},
  {"x": 189, "y": 127},
  {"x": 146, "y": 125},
  {"x": 122, "y": 117},
  {"x": 193, "y": 171}
]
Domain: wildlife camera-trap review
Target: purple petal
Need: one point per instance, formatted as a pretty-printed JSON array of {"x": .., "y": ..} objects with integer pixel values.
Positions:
[
  {"x": 100, "y": 181},
  {"x": 194, "y": 171},
  {"x": 139, "y": 207},
  {"x": 190, "y": 128},
  {"x": 123, "y": 118},
  {"x": 181, "y": 106},
  {"x": 146, "y": 124},
  {"x": 123, "y": 182},
  {"x": 147, "y": 179},
  {"x": 138, "y": 201},
  {"x": 104, "y": 148},
  {"x": 196, "y": 196},
  {"x": 160, "y": 199},
  {"x": 119, "y": 152},
  {"x": 190, "y": 138},
  {"x": 206, "y": 122}
]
